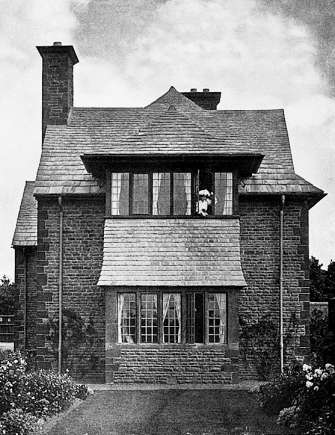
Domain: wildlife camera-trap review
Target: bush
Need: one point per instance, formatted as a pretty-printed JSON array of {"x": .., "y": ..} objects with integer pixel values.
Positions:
[
  {"x": 12, "y": 372},
  {"x": 25, "y": 397},
  {"x": 322, "y": 340},
  {"x": 17, "y": 422},
  {"x": 281, "y": 391},
  {"x": 46, "y": 393},
  {"x": 305, "y": 399}
]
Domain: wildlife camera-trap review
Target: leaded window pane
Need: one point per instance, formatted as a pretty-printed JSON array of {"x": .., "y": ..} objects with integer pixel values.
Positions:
[
  {"x": 217, "y": 317},
  {"x": 149, "y": 320}
]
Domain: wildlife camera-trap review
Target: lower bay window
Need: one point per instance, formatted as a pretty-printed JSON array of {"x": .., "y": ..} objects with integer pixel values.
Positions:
[{"x": 172, "y": 318}]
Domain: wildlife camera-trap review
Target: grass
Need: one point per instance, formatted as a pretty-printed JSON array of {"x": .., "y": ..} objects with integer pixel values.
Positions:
[{"x": 182, "y": 412}]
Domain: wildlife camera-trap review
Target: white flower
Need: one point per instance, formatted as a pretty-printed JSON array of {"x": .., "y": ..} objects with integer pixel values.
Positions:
[
  {"x": 306, "y": 368},
  {"x": 330, "y": 368},
  {"x": 316, "y": 388},
  {"x": 324, "y": 376},
  {"x": 309, "y": 384},
  {"x": 309, "y": 376},
  {"x": 318, "y": 372}
]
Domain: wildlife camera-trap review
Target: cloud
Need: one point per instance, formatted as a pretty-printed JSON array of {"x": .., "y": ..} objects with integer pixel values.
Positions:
[
  {"x": 131, "y": 51},
  {"x": 319, "y": 17}
]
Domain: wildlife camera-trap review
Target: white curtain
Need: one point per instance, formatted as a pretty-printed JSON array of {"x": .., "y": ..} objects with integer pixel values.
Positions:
[
  {"x": 177, "y": 299},
  {"x": 221, "y": 301},
  {"x": 166, "y": 303},
  {"x": 187, "y": 184},
  {"x": 116, "y": 190},
  {"x": 123, "y": 331},
  {"x": 176, "y": 306},
  {"x": 119, "y": 316},
  {"x": 157, "y": 178}
]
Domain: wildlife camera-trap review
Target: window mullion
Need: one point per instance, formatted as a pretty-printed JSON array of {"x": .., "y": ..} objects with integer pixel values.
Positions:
[{"x": 206, "y": 318}]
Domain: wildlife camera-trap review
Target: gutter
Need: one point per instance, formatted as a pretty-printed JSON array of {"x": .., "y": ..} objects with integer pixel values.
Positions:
[
  {"x": 60, "y": 285},
  {"x": 25, "y": 290},
  {"x": 281, "y": 267}
]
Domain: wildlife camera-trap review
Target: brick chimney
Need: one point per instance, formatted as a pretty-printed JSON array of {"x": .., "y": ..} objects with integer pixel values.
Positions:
[
  {"x": 57, "y": 83},
  {"x": 205, "y": 99}
]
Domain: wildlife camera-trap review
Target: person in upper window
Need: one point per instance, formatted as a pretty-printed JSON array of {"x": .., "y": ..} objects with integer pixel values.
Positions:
[{"x": 205, "y": 200}]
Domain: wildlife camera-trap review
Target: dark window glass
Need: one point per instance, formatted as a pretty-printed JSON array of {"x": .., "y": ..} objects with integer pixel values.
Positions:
[
  {"x": 195, "y": 318},
  {"x": 140, "y": 194}
]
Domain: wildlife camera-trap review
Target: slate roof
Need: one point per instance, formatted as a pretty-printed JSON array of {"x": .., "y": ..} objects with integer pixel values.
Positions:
[
  {"x": 26, "y": 225},
  {"x": 171, "y": 124},
  {"x": 172, "y": 252}
]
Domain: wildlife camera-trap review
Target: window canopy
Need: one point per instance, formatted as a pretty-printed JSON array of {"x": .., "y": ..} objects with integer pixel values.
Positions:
[{"x": 246, "y": 163}]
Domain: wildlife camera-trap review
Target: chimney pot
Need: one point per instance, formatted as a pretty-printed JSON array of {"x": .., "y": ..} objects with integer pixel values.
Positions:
[
  {"x": 193, "y": 89},
  {"x": 57, "y": 43},
  {"x": 205, "y": 90}
]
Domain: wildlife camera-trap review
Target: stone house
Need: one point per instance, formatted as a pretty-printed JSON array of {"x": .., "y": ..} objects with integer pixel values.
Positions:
[{"x": 114, "y": 227}]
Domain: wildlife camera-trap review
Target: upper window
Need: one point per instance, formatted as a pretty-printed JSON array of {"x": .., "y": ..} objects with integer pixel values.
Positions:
[{"x": 171, "y": 193}]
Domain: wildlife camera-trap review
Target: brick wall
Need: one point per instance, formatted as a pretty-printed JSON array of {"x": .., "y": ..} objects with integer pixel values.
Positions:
[{"x": 260, "y": 223}]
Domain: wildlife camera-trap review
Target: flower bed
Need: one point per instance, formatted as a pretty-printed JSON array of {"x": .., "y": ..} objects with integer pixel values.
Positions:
[{"x": 29, "y": 397}]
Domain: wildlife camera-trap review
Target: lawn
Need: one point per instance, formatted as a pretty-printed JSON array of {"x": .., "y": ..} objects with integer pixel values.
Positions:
[{"x": 182, "y": 412}]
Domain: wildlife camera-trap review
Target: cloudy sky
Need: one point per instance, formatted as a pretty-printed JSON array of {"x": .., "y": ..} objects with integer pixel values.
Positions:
[{"x": 259, "y": 53}]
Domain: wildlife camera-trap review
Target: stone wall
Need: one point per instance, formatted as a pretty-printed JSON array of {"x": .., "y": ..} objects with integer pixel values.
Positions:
[
  {"x": 260, "y": 225},
  {"x": 83, "y": 250},
  {"x": 82, "y": 257}
]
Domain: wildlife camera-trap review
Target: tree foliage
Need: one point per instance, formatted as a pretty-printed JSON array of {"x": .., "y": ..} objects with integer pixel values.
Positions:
[
  {"x": 322, "y": 280},
  {"x": 8, "y": 296}
]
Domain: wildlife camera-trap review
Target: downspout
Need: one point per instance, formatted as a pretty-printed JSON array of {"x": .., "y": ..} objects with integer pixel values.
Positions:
[
  {"x": 281, "y": 320},
  {"x": 60, "y": 285},
  {"x": 25, "y": 290}
]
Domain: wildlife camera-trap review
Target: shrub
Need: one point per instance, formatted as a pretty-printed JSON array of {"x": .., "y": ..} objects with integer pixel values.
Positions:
[
  {"x": 46, "y": 393},
  {"x": 17, "y": 422},
  {"x": 25, "y": 397},
  {"x": 81, "y": 392},
  {"x": 12, "y": 371},
  {"x": 80, "y": 342},
  {"x": 304, "y": 398},
  {"x": 259, "y": 340},
  {"x": 322, "y": 340},
  {"x": 281, "y": 391}
]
